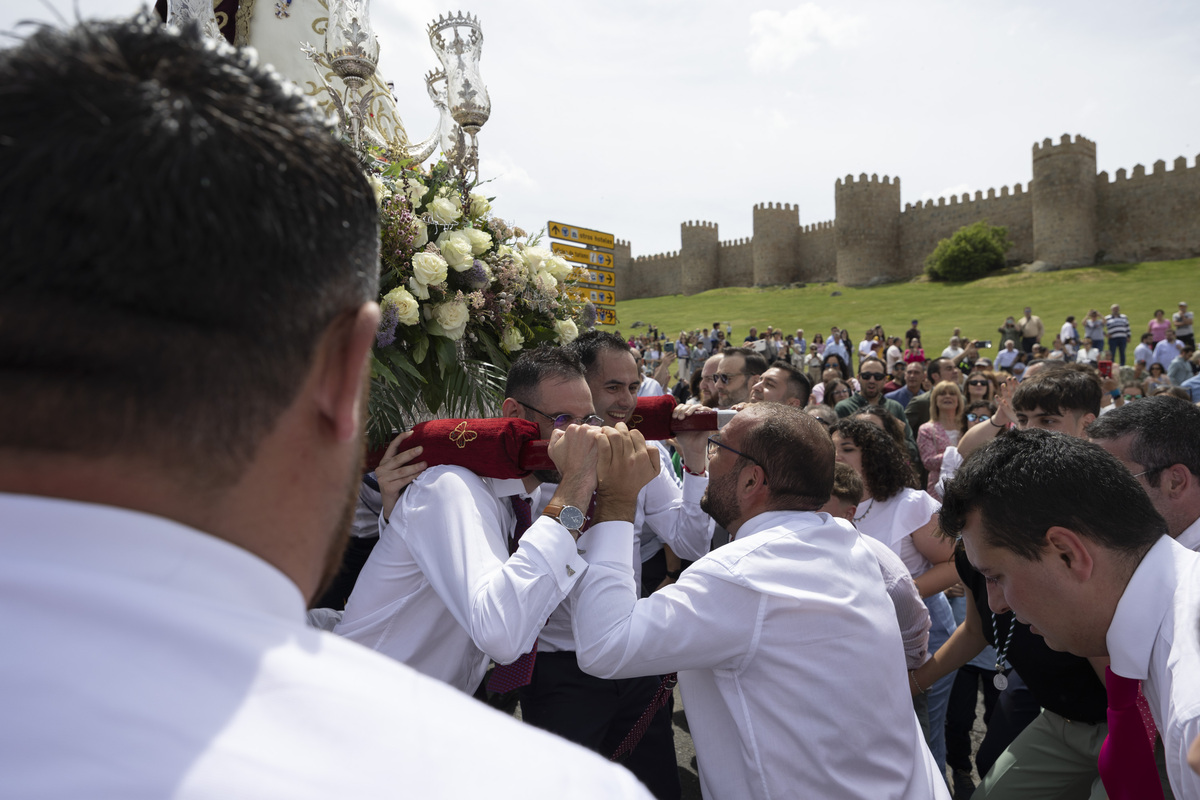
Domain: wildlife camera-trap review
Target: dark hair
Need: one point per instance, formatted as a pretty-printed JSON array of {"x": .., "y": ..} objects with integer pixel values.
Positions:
[
  {"x": 180, "y": 228},
  {"x": 799, "y": 386},
  {"x": 989, "y": 405},
  {"x": 587, "y": 348},
  {"x": 1070, "y": 387},
  {"x": 545, "y": 362},
  {"x": 937, "y": 365},
  {"x": 847, "y": 484},
  {"x": 893, "y": 426},
  {"x": 830, "y": 387},
  {"x": 1025, "y": 482},
  {"x": 869, "y": 359},
  {"x": 755, "y": 364},
  {"x": 841, "y": 364},
  {"x": 885, "y": 468},
  {"x": 1163, "y": 430},
  {"x": 795, "y": 453}
]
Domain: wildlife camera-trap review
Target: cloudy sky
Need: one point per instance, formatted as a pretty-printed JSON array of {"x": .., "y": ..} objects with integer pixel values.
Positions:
[{"x": 631, "y": 117}]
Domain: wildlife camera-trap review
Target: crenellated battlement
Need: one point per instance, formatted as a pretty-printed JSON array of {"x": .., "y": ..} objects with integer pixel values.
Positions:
[
  {"x": 966, "y": 198},
  {"x": 622, "y": 243},
  {"x": 776, "y": 207},
  {"x": 1065, "y": 144},
  {"x": 1179, "y": 168},
  {"x": 863, "y": 180},
  {"x": 699, "y": 224},
  {"x": 736, "y": 242}
]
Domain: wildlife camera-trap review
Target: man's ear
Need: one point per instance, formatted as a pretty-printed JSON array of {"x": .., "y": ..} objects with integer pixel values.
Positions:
[
  {"x": 341, "y": 369},
  {"x": 1175, "y": 480},
  {"x": 511, "y": 408},
  {"x": 1072, "y": 551}
]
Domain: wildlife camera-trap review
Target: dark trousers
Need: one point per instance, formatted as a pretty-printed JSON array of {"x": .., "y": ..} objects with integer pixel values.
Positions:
[
  {"x": 1027, "y": 343},
  {"x": 1115, "y": 344},
  {"x": 960, "y": 713},
  {"x": 598, "y": 713}
]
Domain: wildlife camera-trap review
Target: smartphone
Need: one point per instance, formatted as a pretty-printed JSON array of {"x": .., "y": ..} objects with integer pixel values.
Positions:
[{"x": 1105, "y": 368}]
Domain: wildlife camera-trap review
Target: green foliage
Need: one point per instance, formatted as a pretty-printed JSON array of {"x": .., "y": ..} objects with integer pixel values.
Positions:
[{"x": 972, "y": 252}]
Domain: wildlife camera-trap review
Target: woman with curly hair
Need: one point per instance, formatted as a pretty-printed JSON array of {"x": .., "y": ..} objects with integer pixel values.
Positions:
[
  {"x": 894, "y": 511},
  {"x": 946, "y": 423}
]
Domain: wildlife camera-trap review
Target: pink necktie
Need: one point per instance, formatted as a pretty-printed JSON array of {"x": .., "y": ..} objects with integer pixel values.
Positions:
[{"x": 1127, "y": 757}]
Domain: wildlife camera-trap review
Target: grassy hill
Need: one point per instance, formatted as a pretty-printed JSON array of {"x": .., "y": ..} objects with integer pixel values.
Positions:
[{"x": 978, "y": 307}]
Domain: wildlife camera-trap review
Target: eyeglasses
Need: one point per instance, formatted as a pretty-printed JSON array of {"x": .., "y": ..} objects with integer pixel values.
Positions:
[
  {"x": 838, "y": 391},
  {"x": 1148, "y": 471},
  {"x": 872, "y": 376},
  {"x": 563, "y": 420},
  {"x": 725, "y": 377},
  {"x": 978, "y": 383},
  {"x": 978, "y": 417},
  {"x": 1132, "y": 397},
  {"x": 713, "y": 444}
]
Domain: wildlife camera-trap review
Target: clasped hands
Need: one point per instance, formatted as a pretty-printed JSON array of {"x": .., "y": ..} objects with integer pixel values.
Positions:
[{"x": 615, "y": 463}]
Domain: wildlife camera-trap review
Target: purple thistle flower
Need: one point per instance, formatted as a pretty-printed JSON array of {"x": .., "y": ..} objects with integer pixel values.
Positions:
[
  {"x": 386, "y": 334},
  {"x": 589, "y": 315},
  {"x": 476, "y": 276}
]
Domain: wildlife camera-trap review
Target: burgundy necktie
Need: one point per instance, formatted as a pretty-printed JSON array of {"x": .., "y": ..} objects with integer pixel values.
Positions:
[
  {"x": 1126, "y": 761},
  {"x": 507, "y": 677}
]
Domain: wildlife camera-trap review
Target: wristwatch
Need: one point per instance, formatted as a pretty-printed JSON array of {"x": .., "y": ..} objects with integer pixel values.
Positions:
[{"x": 569, "y": 517}]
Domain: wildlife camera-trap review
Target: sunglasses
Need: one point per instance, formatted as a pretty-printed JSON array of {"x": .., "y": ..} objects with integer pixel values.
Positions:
[
  {"x": 978, "y": 417},
  {"x": 978, "y": 383},
  {"x": 725, "y": 377},
  {"x": 1134, "y": 396},
  {"x": 563, "y": 420},
  {"x": 872, "y": 376}
]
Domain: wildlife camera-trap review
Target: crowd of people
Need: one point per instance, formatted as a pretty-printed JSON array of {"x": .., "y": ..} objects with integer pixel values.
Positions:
[{"x": 181, "y": 462}]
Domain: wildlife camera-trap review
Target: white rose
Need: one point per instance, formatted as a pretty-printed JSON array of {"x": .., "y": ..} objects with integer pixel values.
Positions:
[
  {"x": 567, "y": 330},
  {"x": 453, "y": 318},
  {"x": 379, "y": 187},
  {"x": 451, "y": 195},
  {"x": 420, "y": 233},
  {"x": 416, "y": 191},
  {"x": 481, "y": 241},
  {"x": 456, "y": 249},
  {"x": 558, "y": 267},
  {"x": 504, "y": 250},
  {"x": 479, "y": 205},
  {"x": 419, "y": 290},
  {"x": 406, "y": 305},
  {"x": 443, "y": 212},
  {"x": 534, "y": 256},
  {"x": 512, "y": 340},
  {"x": 546, "y": 283},
  {"x": 429, "y": 268}
]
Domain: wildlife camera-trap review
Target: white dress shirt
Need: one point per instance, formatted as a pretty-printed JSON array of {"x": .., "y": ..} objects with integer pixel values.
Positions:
[
  {"x": 1155, "y": 638},
  {"x": 673, "y": 513},
  {"x": 789, "y": 660},
  {"x": 145, "y": 659},
  {"x": 911, "y": 614},
  {"x": 440, "y": 591},
  {"x": 1190, "y": 537}
]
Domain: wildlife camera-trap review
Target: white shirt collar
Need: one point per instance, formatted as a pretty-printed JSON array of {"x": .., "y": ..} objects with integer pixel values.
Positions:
[
  {"x": 1190, "y": 537},
  {"x": 1141, "y": 610}
]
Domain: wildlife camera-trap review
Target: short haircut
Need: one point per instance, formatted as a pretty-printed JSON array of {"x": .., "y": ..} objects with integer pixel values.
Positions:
[
  {"x": 1058, "y": 390},
  {"x": 587, "y": 348},
  {"x": 545, "y": 362},
  {"x": 862, "y": 364},
  {"x": 938, "y": 365},
  {"x": 885, "y": 467},
  {"x": 168, "y": 305},
  {"x": 1164, "y": 430},
  {"x": 755, "y": 364},
  {"x": 798, "y": 384},
  {"x": 795, "y": 453},
  {"x": 1025, "y": 482},
  {"x": 824, "y": 414},
  {"x": 847, "y": 485}
]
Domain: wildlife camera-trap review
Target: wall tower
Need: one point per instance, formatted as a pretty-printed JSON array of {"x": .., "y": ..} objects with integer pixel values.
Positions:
[
  {"x": 699, "y": 270},
  {"x": 868, "y": 230},
  {"x": 776, "y": 228},
  {"x": 1064, "y": 202}
]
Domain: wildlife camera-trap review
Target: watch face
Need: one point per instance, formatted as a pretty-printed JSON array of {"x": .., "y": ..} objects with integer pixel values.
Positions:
[{"x": 571, "y": 518}]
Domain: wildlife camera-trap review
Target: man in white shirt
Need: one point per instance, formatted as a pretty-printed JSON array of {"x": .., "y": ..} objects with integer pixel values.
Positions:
[
  {"x": 1091, "y": 568},
  {"x": 784, "y": 639},
  {"x": 1144, "y": 352},
  {"x": 181, "y": 447},
  {"x": 1166, "y": 351},
  {"x": 1183, "y": 320}
]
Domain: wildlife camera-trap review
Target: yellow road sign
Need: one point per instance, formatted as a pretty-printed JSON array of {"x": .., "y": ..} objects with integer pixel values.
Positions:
[
  {"x": 582, "y": 256},
  {"x": 606, "y": 316},
  {"x": 582, "y": 235},
  {"x": 587, "y": 293},
  {"x": 596, "y": 277}
]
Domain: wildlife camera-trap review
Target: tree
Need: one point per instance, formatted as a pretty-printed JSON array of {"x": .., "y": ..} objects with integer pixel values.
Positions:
[{"x": 972, "y": 252}]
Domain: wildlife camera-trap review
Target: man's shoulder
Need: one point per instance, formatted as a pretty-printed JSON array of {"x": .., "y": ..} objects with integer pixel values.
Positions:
[{"x": 846, "y": 407}]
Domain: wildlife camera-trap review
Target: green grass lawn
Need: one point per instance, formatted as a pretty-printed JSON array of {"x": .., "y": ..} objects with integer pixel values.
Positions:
[{"x": 978, "y": 307}]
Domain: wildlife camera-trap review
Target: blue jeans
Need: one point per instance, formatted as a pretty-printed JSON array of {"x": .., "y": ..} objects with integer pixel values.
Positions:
[
  {"x": 1116, "y": 343},
  {"x": 942, "y": 619}
]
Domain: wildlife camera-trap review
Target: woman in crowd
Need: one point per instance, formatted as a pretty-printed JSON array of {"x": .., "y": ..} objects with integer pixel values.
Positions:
[
  {"x": 819, "y": 343},
  {"x": 914, "y": 352},
  {"x": 1156, "y": 378},
  {"x": 834, "y": 392},
  {"x": 1093, "y": 329},
  {"x": 1009, "y": 330},
  {"x": 946, "y": 424},
  {"x": 1159, "y": 326},
  {"x": 834, "y": 360},
  {"x": 981, "y": 386},
  {"x": 904, "y": 518}
]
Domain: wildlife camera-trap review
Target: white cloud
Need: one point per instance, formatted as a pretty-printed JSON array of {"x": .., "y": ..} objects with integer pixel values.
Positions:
[{"x": 778, "y": 39}]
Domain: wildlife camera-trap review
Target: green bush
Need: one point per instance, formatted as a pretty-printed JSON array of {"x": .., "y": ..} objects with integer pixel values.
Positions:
[{"x": 972, "y": 252}]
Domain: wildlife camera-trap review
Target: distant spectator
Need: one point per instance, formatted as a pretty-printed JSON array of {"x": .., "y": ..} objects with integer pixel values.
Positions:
[
  {"x": 1166, "y": 351},
  {"x": 1193, "y": 384},
  {"x": 818, "y": 341},
  {"x": 946, "y": 423},
  {"x": 1009, "y": 332},
  {"x": 1031, "y": 328},
  {"x": 835, "y": 391},
  {"x": 1144, "y": 352},
  {"x": 1008, "y": 356},
  {"x": 1093, "y": 329},
  {"x": 1087, "y": 353},
  {"x": 914, "y": 353},
  {"x": 954, "y": 350},
  {"x": 1159, "y": 326},
  {"x": 1181, "y": 368},
  {"x": 1068, "y": 332},
  {"x": 1182, "y": 320},
  {"x": 914, "y": 377},
  {"x": 912, "y": 333},
  {"x": 980, "y": 386},
  {"x": 1117, "y": 325}
]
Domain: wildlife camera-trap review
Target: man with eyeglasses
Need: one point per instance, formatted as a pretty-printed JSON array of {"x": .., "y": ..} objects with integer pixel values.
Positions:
[
  {"x": 790, "y": 614},
  {"x": 448, "y": 588},
  {"x": 871, "y": 378},
  {"x": 739, "y": 366}
]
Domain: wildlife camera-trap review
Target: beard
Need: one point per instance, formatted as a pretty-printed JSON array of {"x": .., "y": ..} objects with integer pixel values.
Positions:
[
  {"x": 339, "y": 537},
  {"x": 720, "y": 500}
]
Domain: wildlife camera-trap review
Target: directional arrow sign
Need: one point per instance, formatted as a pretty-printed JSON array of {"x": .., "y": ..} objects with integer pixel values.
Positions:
[
  {"x": 588, "y": 294},
  {"x": 598, "y": 277},
  {"x": 582, "y": 235},
  {"x": 581, "y": 256},
  {"x": 606, "y": 316}
]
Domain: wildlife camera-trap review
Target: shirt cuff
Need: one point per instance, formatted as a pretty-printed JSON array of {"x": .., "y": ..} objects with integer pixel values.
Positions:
[
  {"x": 554, "y": 546},
  {"x": 694, "y": 486},
  {"x": 610, "y": 542}
]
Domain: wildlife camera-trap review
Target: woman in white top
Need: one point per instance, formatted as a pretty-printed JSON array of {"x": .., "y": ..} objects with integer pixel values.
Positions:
[{"x": 904, "y": 518}]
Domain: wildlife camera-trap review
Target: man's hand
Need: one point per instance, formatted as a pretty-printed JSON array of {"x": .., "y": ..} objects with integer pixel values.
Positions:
[
  {"x": 574, "y": 451},
  {"x": 395, "y": 472},
  {"x": 625, "y": 465},
  {"x": 692, "y": 445}
]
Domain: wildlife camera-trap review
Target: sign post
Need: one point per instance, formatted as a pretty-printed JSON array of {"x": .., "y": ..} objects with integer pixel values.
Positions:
[{"x": 596, "y": 280}]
